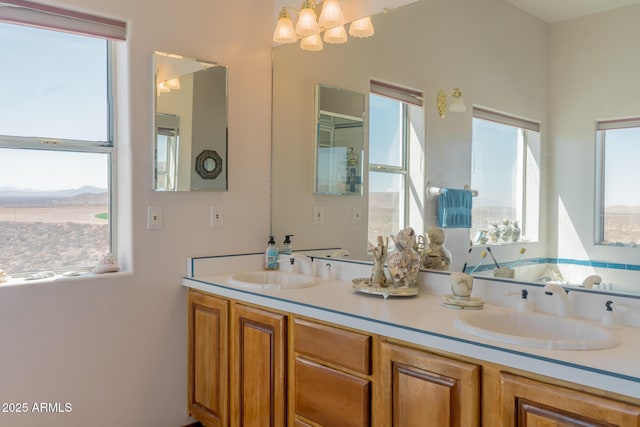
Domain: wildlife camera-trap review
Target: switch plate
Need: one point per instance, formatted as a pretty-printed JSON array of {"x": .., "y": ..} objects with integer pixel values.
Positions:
[
  {"x": 356, "y": 214},
  {"x": 318, "y": 215},
  {"x": 217, "y": 216},
  {"x": 154, "y": 217}
]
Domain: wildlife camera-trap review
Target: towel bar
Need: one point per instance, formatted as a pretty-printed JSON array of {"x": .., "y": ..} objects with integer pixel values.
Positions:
[{"x": 432, "y": 191}]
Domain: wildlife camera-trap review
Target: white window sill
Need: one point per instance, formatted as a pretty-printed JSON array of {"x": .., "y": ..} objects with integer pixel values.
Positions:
[{"x": 22, "y": 281}]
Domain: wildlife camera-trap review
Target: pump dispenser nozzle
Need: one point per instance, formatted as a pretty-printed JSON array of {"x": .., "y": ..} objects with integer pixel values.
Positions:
[{"x": 286, "y": 245}]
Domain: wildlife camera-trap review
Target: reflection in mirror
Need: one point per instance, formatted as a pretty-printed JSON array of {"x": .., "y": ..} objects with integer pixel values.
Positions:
[
  {"x": 566, "y": 75},
  {"x": 339, "y": 140},
  {"x": 191, "y": 116}
]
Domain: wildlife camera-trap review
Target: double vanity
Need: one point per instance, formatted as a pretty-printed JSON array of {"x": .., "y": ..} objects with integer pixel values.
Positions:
[{"x": 311, "y": 351}]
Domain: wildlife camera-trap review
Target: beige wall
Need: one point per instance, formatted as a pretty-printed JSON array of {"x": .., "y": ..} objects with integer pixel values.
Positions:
[
  {"x": 594, "y": 76},
  {"x": 115, "y": 346}
]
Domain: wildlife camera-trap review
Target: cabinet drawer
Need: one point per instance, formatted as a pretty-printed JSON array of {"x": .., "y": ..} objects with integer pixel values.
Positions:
[
  {"x": 330, "y": 397},
  {"x": 350, "y": 350}
]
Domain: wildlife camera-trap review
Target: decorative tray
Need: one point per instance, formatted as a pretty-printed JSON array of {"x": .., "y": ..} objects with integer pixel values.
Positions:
[{"x": 364, "y": 285}]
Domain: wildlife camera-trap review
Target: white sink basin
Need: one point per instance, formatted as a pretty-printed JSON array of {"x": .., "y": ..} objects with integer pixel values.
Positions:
[
  {"x": 272, "y": 280},
  {"x": 536, "y": 330}
]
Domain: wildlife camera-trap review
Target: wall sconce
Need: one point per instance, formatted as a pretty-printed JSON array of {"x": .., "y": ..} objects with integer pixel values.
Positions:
[
  {"x": 457, "y": 103},
  {"x": 309, "y": 26}
]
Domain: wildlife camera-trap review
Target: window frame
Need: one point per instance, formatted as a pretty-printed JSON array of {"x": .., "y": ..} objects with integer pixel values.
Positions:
[
  {"x": 28, "y": 14},
  {"x": 601, "y": 127},
  {"x": 409, "y": 99},
  {"x": 529, "y": 226}
]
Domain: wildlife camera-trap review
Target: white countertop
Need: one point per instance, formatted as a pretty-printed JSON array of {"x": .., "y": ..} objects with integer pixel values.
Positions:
[{"x": 425, "y": 321}]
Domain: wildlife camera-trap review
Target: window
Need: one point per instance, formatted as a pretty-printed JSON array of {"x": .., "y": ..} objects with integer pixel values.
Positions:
[
  {"x": 505, "y": 171},
  {"x": 396, "y": 160},
  {"x": 56, "y": 145},
  {"x": 618, "y": 145}
]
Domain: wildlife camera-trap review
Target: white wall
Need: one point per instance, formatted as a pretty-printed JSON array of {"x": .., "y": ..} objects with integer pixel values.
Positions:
[
  {"x": 115, "y": 346},
  {"x": 594, "y": 76},
  {"x": 497, "y": 54}
]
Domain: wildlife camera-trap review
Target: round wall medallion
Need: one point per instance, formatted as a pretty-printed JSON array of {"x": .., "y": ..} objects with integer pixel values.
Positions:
[{"x": 208, "y": 164}]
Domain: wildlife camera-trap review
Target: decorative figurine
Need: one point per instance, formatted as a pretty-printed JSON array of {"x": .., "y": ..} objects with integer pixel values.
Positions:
[
  {"x": 436, "y": 256},
  {"x": 404, "y": 261},
  {"x": 379, "y": 255}
]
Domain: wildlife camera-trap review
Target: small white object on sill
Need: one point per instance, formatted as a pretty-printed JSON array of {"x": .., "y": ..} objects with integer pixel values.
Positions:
[{"x": 107, "y": 265}]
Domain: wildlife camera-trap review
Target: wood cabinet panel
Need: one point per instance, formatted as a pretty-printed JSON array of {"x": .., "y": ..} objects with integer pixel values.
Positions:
[
  {"x": 258, "y": 354},
  {"x": 348, "y": 349},
  {"x": 329, "y": 397},
  {"x": 530, "y": 403},
  {"x": 416, "y": 388},
  {"x": 208, "y": 359}
]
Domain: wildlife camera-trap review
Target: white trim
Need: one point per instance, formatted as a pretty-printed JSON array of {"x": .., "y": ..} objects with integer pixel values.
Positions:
[
  {"x": 54, "y": 18},
  {"x": 506, "y": 119},
  {"x": 409, "y": 96}
]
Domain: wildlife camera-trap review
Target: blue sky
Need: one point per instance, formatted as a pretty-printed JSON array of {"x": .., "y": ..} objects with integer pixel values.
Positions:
[{"x": 53, "y": 85}]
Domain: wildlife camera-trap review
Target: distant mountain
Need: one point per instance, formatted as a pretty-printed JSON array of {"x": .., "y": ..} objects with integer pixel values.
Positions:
[{"x": 28, "y": 193}]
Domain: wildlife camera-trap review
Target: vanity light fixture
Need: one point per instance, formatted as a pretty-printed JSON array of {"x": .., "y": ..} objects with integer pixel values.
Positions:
[
  {"x": 167, "y": 86},
  {"x": 309, "y": 26},
  {"x": 456, "y": 105}
]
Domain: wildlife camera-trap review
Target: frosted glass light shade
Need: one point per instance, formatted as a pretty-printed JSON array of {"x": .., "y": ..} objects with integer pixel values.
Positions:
[
  {"x": 457, "y": 103},
  {"x": 307, "y": 22},
  {"x": 284, "y": 32},
  {"x": 331, "y": 15},
  {"x": 336, "y": 35},
  {"x": 311, "y": 43},
  {"x": 361, "y": 28},
  {"x": 163, "y": 88},
  {"x": 174, "y": 83}
]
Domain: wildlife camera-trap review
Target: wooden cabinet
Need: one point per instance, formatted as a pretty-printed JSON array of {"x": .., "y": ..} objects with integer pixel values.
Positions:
[
  {"x": 530, "y": 403},
  {"x": 258, "y": 367},
  {"x": 208, "y": 359},
  {"x": 331, "y": 376},
  {"x": 416, "y": 388},
  {"x": 248, "y": 368}
]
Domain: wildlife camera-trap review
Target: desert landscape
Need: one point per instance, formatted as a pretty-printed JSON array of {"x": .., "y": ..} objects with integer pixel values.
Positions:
[{"x": 40, "y": 233}]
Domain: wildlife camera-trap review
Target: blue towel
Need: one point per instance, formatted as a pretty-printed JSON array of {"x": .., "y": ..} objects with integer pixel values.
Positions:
[{"x": 454, "y": 208}]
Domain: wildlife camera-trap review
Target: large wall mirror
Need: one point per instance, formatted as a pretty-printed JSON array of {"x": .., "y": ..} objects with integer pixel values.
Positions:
[
  {"x": 190, "y": 149},
  {"x": 565, "y": 75}
]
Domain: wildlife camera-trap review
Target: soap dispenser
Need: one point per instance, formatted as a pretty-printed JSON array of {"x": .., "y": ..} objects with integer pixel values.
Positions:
[
  {"x": 286, "y": 245},
  {"x": 271, "y": 255}
]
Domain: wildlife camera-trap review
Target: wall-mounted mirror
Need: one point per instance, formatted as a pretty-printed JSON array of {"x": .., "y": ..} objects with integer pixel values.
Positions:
[
  {"x": 339, "y": 141},
  {"x": 566, "y": 75},
  {"x": 190, "y": 149}
]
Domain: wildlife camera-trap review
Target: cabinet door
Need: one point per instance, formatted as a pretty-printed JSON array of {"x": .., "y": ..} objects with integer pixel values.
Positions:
[
  {"x": 531, "y": 403},
  {"x": 208, "y": 359},
  {"x": 258, "y": 367},
  {"x": 418, "y": 389}
]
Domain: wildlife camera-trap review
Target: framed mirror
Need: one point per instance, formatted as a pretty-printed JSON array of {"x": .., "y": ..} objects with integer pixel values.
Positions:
[
  {"x": 339, "y": 141},
  {"x": 190, "y": 148}
]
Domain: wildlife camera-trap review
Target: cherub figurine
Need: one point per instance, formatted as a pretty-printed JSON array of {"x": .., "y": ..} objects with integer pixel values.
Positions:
[
  {"x": 379, "y": 256},
  {"x": 436, "y": 256}
]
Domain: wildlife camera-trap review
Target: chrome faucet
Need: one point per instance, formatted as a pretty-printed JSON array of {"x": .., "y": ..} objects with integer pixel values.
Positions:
[
  {"x": 563, "y": 305},
  {"x": 308, "y": 266}
]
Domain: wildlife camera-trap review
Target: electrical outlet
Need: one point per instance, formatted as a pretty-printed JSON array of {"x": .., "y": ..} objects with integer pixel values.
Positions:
[
  {"x": 217, "y": 216},
  {"x": 318, "y": 215},
  {"x": 154, "y": 217},
  {"x": 356, "y": 214}
]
